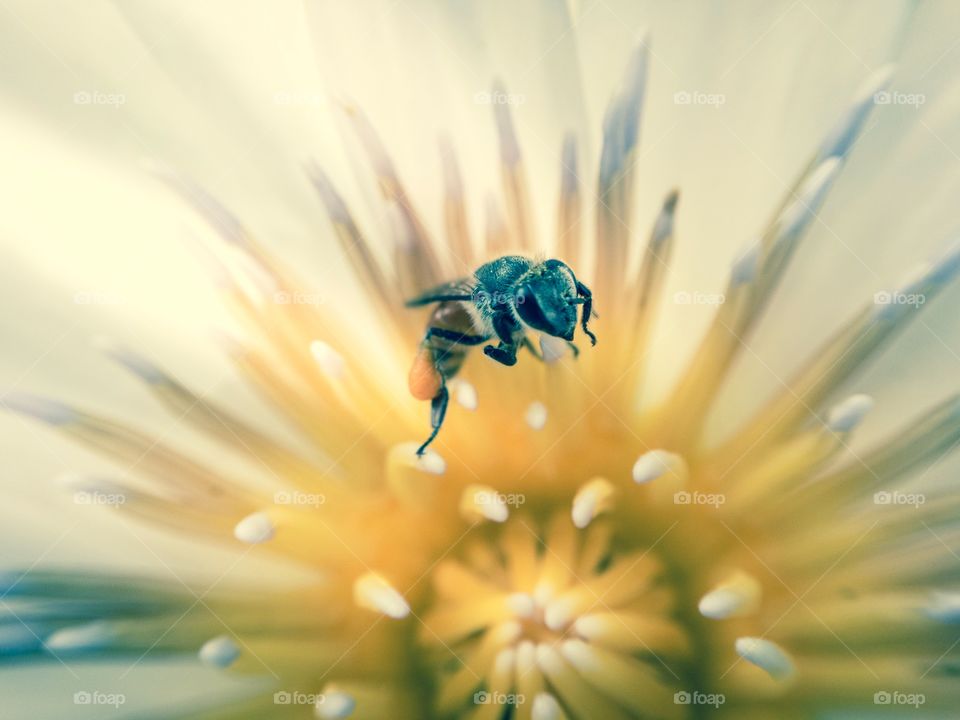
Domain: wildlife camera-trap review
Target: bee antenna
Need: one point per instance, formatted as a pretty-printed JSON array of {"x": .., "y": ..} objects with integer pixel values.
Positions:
[
  {"x": 585, "y": 298},
  {"x": 587, "y": 310}
]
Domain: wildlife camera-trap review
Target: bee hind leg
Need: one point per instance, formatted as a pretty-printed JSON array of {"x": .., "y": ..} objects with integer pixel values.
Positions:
[{"x": 438, "y": 409}]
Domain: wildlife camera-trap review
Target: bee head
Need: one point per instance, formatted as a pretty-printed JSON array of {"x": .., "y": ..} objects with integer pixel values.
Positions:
[{"x": 547, "y": 300}]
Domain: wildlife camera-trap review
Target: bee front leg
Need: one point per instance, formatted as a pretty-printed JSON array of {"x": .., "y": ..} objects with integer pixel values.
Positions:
[{"x": 503, "y": 354}]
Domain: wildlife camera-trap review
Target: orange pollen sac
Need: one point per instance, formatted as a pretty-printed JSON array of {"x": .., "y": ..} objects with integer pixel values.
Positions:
[{"x": 424, "y": 377}]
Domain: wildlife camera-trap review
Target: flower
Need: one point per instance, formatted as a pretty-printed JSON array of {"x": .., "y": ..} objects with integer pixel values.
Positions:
[{"x": 589, "y": 536}]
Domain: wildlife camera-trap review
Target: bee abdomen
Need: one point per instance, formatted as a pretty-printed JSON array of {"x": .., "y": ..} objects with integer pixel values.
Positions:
[{"x": 440, "y": 358}]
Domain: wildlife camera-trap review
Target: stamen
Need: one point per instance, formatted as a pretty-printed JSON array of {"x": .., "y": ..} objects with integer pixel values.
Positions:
[
  {"x": 577, "y": 692},
  {"x": 479, "y": 502},
  {"x": 205, "y": 204},
  {"x": 418, "y": 267},
  {"x": 630, "y": 682},
  {"x": 663, "y": 227},
  {"x": 766, "y": 655},
  {"x": 136, "y": 363},
  {"x": 466, "y": 395},
  {"x": 509, "y": 147},
  {"x": 569, "y": 204},
  {"x": 810, "y": 197},
  {"x": 536, "y": 415},
  {"x": 220, "y": 652},
  {"x": 621, "y": 125},
  {"x": 254, "y": 529},
  {"x": 657, "y": 463},
  {"x": 455, "y": 215},
  {"x": 846, "y": 415},
  {"x": 373, "y": 592},
  {"x": 334, "y": 704},
  {"x": 944, "y": 607},
  {"x": 839, "y": 141},
  {"x": 738, "y": 595},
  {"x": 51, "y": 412},
  {"x": 745, "y": 266},
  {"x": 643, "y": 297},
  {"x": 79, "y": 638},
  {"x": 837, "y": 359},
  {"x": 593, "y": 498},
  {"x": 353, "y": 242},
  {"x": 546, "y": 707}
]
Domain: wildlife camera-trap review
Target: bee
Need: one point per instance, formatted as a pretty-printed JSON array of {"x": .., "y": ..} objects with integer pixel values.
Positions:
[{"x": 502, "y": 301}]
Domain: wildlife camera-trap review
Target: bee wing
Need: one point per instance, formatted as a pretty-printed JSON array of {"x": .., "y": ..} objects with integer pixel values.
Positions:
[{"x": 460, "y": 289}]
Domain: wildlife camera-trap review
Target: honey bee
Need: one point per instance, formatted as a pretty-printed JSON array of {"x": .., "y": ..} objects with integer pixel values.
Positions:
[{"x": 501, "y": 301}]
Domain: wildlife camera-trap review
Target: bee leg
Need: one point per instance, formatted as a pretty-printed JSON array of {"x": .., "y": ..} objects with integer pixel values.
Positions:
[
  {"x": 438, "y": 409},
  {"x": 532, "y": 348},
  {"x": 503, "y": 354},
  {"x": 574, "y": 348},
  {"x": 455, "y": 337}
]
